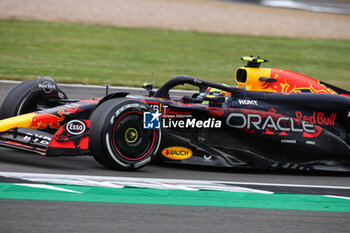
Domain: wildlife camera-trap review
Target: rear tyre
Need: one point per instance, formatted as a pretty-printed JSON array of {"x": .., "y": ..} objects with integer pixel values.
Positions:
[
  {"x": 117, "y": 137},
  {"x": 16, "y": 102}
]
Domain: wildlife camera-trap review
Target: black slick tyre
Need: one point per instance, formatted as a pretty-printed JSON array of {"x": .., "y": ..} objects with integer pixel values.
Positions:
[
  {"x": 17, "y": 101},
  {"x": 117, "y": 137}
]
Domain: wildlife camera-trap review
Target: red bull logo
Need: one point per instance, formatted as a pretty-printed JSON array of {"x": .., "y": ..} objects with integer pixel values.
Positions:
[
  {"x": 42, "y": 121},
  {"x": 317, "y": 118},
  {"x": 292, "y": 82}
]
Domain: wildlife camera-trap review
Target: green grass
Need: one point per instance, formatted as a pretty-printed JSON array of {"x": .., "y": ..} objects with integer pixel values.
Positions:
[{"x": 130, "y": 56}]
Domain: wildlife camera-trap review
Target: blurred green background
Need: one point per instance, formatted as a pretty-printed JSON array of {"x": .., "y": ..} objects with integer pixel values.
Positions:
[{"x": 94, "y": 54}]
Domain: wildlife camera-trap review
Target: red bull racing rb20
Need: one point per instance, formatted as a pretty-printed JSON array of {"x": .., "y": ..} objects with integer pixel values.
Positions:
[{"x": 273, "y": 119}]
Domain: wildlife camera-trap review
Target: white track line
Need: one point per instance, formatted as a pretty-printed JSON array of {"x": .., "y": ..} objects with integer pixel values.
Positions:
[
  {"x": 120, "y": 182},
  {"x": 340, "y": 197},
  {"x": 57, "y": 177},
  {"x": 45, "y": 186}
]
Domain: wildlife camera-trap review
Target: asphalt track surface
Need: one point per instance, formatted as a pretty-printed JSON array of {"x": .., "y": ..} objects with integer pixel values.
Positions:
[
  {"x": 327, "y": 6},
  {"x": 53, "y": 216}
]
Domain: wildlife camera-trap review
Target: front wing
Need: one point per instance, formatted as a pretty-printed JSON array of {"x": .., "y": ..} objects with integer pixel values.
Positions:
[{"x": 62, "y": 142}]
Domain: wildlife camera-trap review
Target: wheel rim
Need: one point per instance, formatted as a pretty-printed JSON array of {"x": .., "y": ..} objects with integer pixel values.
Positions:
[
  {"x": 130, "y": 140},
  {"x": 131, "y": 135}
]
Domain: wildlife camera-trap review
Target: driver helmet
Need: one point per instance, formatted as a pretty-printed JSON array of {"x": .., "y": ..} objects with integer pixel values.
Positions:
[{"x": 217, "y": 92}]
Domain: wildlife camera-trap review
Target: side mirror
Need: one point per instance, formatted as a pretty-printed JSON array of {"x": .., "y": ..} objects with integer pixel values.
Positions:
[{"x": 147, "y": 86}]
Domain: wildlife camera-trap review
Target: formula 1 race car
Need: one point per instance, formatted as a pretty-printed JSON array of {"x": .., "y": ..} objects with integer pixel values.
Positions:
[{"x": 273, "y": 119}]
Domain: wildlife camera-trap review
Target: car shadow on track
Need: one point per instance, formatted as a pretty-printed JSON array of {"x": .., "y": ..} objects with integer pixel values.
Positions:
[
  {"x": 13, "y": 160},
  {"x": 20, "y": 159},
  {"x": 250, "y": 171}
]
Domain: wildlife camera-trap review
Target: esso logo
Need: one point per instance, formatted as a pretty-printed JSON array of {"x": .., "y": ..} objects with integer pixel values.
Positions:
[{"x": 75, "y": 127}]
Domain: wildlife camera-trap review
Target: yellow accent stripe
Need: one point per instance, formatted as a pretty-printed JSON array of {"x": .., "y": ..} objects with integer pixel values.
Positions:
[{"x": 23, "y": 121}]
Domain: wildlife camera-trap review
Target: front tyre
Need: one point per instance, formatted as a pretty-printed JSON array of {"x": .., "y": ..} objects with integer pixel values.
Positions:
[
  {"x": 117, "y": 137},
  {"x": 21, "y": 99}
]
